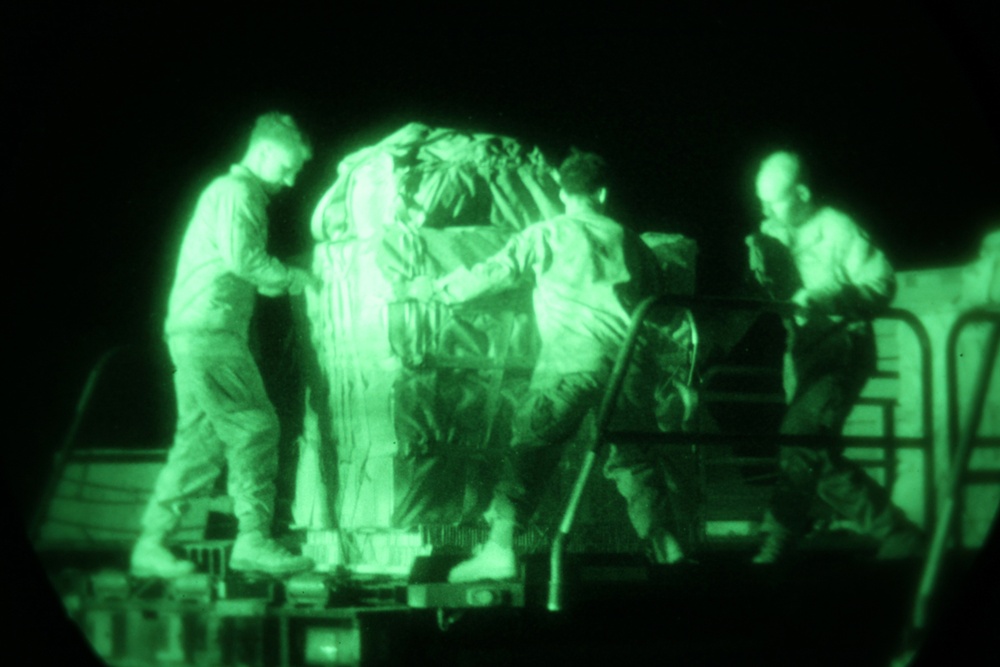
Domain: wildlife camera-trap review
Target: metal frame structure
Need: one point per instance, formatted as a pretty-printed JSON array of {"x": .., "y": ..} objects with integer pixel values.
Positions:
[
  {"x": 960, "y": 445},
  {"x": 604, "y": 435},
  {"x": 64, "y": 455},
  {"x": 956, "y": 437},
  {"x": 290, "y": 620}
]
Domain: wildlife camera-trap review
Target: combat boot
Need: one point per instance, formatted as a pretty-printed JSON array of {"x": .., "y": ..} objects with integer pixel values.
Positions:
[
  {"x": 492, "y": 562},
  {"x": 779, "y": 542},
  {"x": 663, "y": 548},
  {"x": 151, "y": 559},
  {"x": 253, "y": 552}
]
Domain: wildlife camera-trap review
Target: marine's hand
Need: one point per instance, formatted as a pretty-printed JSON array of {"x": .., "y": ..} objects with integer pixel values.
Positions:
[
  {"x": 301, "y": 279},
  {"x": 805, "y": 304},
  {"x": 270, "y": 291},
  {"x": 421, "y": 289},
  {"x": 756, "y": 257},
  {"x": 802, "y": 298}
]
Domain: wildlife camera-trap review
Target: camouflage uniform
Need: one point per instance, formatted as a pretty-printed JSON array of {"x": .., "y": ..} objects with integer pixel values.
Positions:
[
  {"x": 589, "y": 274},
  {"x": 224, "y": 415}
]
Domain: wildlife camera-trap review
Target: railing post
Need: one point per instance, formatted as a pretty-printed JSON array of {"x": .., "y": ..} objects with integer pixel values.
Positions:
[
  {"x": 65, "y": 451},
  {"x": 610, "y": 399},
  {"x": 962, "y": 442},
  {"x": 615, "y": 384}
]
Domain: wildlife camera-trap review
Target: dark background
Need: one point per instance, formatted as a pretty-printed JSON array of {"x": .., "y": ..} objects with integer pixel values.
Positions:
[{"x": 119, "y": 117}]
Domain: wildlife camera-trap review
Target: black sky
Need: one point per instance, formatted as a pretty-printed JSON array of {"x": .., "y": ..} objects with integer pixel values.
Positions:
[{"x": 121, "y": 115}]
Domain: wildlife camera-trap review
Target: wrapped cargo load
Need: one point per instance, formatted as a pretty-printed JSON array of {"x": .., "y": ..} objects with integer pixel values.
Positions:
[
  {"x": 402, "y": 404},
  {"x": 409, "y": 404}
]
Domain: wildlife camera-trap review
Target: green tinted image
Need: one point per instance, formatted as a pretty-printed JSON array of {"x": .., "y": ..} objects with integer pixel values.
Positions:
[{"x": 434, "y": 345}]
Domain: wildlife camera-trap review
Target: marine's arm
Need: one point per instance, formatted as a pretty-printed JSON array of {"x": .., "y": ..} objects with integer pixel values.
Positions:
[
  {"x": 242, "y": 241},
  {"x": 500, "y": 272},
  {"x": 863, "y": 282}
]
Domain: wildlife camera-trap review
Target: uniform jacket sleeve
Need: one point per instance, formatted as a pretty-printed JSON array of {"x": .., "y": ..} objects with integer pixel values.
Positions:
[
  {"x": 863, "y": 280},
  {"x": 242, "y": 240},
  {"x": 500, "y": 272}
]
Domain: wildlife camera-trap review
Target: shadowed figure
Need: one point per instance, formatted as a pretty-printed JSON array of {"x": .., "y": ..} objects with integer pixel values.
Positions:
[{"x": 820, "y": 260}]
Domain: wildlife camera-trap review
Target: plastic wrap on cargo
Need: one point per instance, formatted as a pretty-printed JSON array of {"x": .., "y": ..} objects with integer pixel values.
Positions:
[
  {"x": 405, "y": 383},
  {"x": 411, "y": 406}
]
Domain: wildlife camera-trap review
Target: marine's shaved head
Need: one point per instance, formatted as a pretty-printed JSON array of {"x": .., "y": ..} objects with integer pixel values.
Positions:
[
  {"x": 277, "y": 151},
  {"x": 281, "y": 129},
  {"x": 782, "y": 170},
  {"x": 782, "y": 187},
  {"x": 783, "y": 160}
]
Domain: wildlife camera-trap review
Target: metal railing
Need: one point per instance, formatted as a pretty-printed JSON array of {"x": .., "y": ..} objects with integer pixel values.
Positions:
[
  {"x": 955, "y": 434},
  {"x": 616, "y": 382},
  {"x": 64, "y": 454},
  {"x": 960, "y": 442}
]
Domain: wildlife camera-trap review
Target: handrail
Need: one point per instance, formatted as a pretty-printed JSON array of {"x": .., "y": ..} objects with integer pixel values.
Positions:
[
  {"x": 979, "y": 315},
  {"x": 616, "y": 382},
  {"x": 815, "y": 441},
  {"x": 960, "y": 444},
  {"x": 603, "y": 419},
  {"x": 65, "y": 451}
]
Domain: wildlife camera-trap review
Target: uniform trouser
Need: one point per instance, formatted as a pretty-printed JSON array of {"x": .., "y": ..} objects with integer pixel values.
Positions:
[
  {"x": 550, "y": 415},
  {"x": 824, "y": 376},
  {"x": 224, "y": 418}
]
